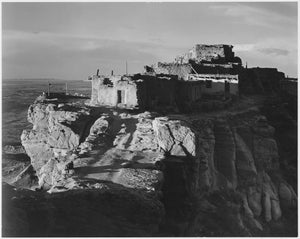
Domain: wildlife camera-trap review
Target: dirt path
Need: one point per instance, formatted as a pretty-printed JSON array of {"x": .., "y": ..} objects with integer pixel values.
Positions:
[{"x": 115, "y": 163}]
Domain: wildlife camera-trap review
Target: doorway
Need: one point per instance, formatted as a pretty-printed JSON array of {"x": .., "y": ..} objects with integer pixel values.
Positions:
[
  {"x": 120, "y": 97},
  {"x": 227, "y": 87}
]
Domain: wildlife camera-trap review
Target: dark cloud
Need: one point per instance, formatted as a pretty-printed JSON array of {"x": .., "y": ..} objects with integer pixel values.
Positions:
[{"x": 274, "y": 51}]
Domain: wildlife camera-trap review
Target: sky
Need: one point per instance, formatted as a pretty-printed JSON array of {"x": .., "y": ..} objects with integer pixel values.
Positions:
[{"x": 71, "y": 41}]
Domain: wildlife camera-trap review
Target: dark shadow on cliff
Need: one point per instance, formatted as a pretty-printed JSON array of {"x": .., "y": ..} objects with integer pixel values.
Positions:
[
  {"x": 113, "y": 168},
  {"x": 111, "y": 210},
  {"x": 281, "y": 112}
]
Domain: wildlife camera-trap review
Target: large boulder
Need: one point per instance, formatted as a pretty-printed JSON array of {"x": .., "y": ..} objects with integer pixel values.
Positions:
[
  {"x": 144, "y": 138},
  {"x": 175, "y": 137},
  {"x": 56, "y": 132}
]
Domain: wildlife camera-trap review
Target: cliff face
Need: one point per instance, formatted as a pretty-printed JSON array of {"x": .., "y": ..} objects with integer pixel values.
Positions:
[
  {"x": 236, "y": 154},
  {"x": 94, "y": 162},
  {"x": 57, "y": 130},
  {"x": 213, "y": 174}
]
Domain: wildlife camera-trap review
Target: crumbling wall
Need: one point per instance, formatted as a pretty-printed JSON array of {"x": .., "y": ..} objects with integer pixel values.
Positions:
[
  {"x": 181, "y": 70},
  {"x": 213, "y": 52},
  {"x": 208, "y": 53}
]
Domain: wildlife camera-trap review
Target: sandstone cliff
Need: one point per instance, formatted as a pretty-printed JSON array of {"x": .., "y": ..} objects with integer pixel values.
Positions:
[{"x": 213, "y": 174}]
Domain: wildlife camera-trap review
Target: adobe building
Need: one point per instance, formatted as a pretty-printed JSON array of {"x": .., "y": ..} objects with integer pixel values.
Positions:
[
  {"x": 202, "y": 59},
  {"x": 205, "y": 70},
  {"x": 213, "y": 69},
  {"x": 134, "y": 91},
  {"x": 154, "y": 92}
]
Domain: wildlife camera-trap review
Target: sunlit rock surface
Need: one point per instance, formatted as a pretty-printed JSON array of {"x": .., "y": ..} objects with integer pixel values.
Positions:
[{"x": 214, "y": 174}]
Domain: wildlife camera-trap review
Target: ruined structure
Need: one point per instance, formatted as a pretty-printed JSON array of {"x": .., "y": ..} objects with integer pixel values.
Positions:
[{"x": 218, "y": 54}]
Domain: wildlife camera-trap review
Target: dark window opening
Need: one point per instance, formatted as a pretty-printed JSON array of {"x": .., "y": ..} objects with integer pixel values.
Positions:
[
  {"x": 208, "y": 83},
  {"x": 107, "y": 81}
]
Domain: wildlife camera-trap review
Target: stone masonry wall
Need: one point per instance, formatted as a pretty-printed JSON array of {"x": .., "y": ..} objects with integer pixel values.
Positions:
[
  {"x": 182, "y": 70},
  {"x": 208, "y": 53}
]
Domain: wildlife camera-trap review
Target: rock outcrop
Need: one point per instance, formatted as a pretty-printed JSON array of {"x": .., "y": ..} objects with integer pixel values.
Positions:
[
  {"x": 57, "y": 130},
  {"x": 226, "y": 155},
  {"x": 175, "y": 137},
  {"x": 183, "y": 171}
]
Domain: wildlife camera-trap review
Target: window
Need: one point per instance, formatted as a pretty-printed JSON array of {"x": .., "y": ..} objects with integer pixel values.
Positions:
[
  {"x": 107, "y": 81},
  {"x": 208, "y": 83}
]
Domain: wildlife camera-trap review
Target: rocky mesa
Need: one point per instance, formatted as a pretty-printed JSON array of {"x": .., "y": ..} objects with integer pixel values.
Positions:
[{"x": 113, "y": 172}]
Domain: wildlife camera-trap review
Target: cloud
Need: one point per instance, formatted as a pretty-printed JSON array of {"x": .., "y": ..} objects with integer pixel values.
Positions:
[
  {"x": 242, "y": 13},
  {"x": 274, "y": 51},
  {"x": 243, "y": 47},
  {"x": 57, "y": 55},
  {"x": 261, "y": 48}
]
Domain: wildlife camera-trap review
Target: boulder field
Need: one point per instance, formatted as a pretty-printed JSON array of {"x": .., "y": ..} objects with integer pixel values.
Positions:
[{"x": 111, "y": 172}]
